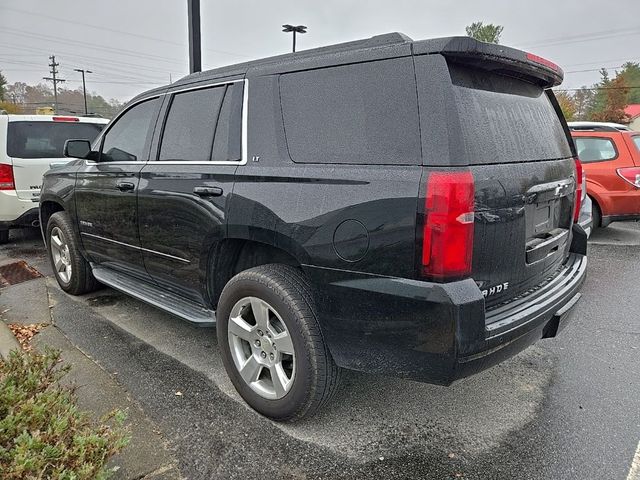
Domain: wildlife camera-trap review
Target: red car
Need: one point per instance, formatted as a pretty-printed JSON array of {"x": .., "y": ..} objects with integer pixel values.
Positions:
[{"x": 610, "y": 156}]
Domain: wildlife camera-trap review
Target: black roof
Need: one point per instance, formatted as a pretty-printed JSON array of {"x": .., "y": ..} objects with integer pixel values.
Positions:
[
  {"x": 385, "y": 40},
  {"x": 385, "y": 46}
]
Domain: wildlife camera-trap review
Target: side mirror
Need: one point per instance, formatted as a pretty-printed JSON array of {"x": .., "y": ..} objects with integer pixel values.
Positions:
[{"x": 77, "y": 148}]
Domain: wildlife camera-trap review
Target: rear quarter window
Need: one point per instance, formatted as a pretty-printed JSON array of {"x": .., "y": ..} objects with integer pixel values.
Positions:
[
  {"x": 594, "y": 149},
  {"x": 505, "y": 119},
  {"x": 360, "y": 114},
  {"x": 46, "y": 139}
]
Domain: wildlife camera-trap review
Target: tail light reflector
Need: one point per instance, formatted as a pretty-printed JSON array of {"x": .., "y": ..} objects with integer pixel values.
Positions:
[
  {"x": 631, "y": 175},
  {"x": 6, "y": 177},
  {"x": 576, "y": 213},
  {"x": 447, "y": 232}
]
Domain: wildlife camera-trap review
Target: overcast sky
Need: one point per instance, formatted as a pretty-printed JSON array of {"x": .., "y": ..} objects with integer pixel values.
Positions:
[{"x": 133, "y": 45}]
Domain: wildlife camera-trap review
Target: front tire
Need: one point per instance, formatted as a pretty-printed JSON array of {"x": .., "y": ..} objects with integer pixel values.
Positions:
[
  {"x": 271, "y": 344},
  {"x": 71, "y": 270},
  {"x": 4, "y": 236}
]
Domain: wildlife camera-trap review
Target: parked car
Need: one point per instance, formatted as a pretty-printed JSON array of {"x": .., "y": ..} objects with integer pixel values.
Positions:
[
  {"x": 610, "y": 156},
  {"x": 389, "y": 206},
  {"x": 29, "y": 146}
]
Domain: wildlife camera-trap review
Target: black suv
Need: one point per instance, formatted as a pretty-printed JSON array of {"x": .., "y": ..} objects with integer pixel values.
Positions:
[{"x": 389, "y": 206}]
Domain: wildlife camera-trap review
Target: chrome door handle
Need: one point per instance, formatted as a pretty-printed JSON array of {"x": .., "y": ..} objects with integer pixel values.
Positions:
[
  {"x": 125, "y": 186},
  {"x": 207, "y": 191}
]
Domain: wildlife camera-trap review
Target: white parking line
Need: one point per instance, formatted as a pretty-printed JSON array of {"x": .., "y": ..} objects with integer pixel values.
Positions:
[{"x": 634, "y": 471}]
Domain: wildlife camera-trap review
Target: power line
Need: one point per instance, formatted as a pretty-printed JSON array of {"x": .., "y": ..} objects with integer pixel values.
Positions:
[
  {"x": 110, "y": 64},
  {"x": 122, "y": 32},
  {"x": 584, "y": 37},
  {"x": 54, "y": 79}
]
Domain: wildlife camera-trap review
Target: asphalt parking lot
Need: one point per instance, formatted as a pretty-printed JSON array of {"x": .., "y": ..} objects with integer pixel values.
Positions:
[{"x": 566, "y": 408}]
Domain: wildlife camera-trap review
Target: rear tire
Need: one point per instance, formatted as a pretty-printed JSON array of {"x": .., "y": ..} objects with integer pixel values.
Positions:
[
  {"x": 71, "y": 270},
  {"x": 596, "y": 215},
  {"x": 305, "y": 374},
  {"x": 4, "y": 236}
]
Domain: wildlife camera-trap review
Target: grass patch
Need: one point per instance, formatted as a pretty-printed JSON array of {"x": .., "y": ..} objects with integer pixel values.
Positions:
[{"x": 43, "y": 434}]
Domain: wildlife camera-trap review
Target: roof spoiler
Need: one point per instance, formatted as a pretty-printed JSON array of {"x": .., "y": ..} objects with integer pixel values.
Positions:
[{"x": 497, "y": 58}]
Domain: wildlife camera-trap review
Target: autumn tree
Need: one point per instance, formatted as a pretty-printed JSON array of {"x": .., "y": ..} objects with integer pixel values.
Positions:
[
  {"x": 567, "y": 105},
  {"x": 29, "y": 97},
  {"x": 10, "y": 107},
  {"x": 489, "y": 32},
  {"x": 600, "y": 96},
  {"x": 583, "y": 99},
  {"x": 631, "y": 74},
  {"x": 615, "y": 95}
]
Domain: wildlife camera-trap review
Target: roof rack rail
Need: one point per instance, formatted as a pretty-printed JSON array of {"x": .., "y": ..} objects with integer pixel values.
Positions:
[
  {"x": 597, "y": 127},
  {"x": 600, "y": 128}
]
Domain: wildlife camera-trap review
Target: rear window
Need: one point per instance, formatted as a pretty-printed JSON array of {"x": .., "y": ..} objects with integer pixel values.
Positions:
[
  {"x": 636, "y": 140},
  {"x": 46, "y": 139},
  {"x": 504, "y": 119},
  {"x": 592, "y": 149},
  {"x": 364, "y": 114}
]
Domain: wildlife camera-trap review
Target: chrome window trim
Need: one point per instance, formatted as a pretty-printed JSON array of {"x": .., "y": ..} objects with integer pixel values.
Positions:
[
  {"x": 155, "y": 252},
  {"x": 244, "y": 132}
]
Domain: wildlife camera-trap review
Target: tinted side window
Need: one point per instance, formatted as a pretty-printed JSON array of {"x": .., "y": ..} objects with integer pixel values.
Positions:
[
  {"x": 129, "y": 137},
  {"x": 592, "y": 149},
  {"x": 365, "y": 113},
  {"x": 190, "y": 126},
  {"x": 228, "y": 137}
]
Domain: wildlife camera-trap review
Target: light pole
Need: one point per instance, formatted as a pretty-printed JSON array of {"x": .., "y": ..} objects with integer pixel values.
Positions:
[
  {"x": 84, "y": 87},
  {"x": 295, "y": 29}
]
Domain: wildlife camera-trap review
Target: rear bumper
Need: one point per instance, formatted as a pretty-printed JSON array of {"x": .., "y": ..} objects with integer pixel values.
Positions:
[
  {"x": 436, "y": 333},
  {"x": 15, "y": 212},
  {"x": 608, "y": 219}
]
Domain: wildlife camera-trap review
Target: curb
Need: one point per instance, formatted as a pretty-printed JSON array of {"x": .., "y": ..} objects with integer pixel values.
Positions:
[{"x": 7, "y": 341}]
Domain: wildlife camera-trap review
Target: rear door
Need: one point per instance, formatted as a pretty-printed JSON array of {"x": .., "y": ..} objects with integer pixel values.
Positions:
[
  {"x": 507, "y": 132},
  {"x": 35, "y": 146},
  {"x": 183, "y": 196}
]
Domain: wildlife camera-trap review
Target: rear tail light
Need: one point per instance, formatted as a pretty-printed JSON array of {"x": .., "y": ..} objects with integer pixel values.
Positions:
[
  {"x": 542, "y": 61},
  {"x": 631, "y": 175},
  {"x": 447, "y": 228},
  {"x": 66, "y": 119},
  {"x": 6, "y": 177},
  {"x": 576, "y": 213}
]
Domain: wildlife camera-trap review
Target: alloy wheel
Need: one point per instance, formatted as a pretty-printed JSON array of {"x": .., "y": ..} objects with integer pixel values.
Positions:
[
  {"x": 261, "y": 348},
  {"x": 61, "y": 255}
]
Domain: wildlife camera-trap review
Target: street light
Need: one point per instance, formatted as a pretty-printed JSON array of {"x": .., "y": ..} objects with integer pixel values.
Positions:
[
  {"x": 84, "y": 87},
  {"x": 297, "y": 29}
]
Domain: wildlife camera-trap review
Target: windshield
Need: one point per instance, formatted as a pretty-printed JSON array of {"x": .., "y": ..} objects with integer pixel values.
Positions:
[{"x": 46, "y": 139}]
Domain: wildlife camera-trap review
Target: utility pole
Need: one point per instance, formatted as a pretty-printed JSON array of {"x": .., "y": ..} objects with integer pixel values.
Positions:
[
  {"x": 195, "y": 46},
  {"x": 297, "y": 29},
  {"x": 84, "y": 87},
  {"x": 55, "y": 80}
]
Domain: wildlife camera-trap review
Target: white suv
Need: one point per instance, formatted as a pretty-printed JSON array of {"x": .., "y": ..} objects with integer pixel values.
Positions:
[{"x": 29, "y": 146}]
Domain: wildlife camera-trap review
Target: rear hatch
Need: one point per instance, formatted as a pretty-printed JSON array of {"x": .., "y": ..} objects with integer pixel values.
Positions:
[
  {"x": 505, "y": 128},
  {"x": 35, "y": 146}
]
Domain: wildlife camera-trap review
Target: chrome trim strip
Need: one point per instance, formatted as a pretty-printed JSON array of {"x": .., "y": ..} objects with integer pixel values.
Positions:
[
  {"x": 199, "y": 87},
  {"x": 244, "y": 134},
  {"x": 184, "y": 260}
]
